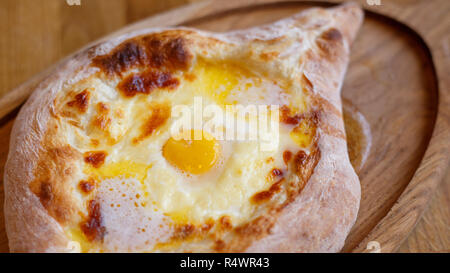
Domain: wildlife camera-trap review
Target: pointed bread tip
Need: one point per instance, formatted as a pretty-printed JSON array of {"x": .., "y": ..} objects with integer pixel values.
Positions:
[{"x": 349, "y": 17}]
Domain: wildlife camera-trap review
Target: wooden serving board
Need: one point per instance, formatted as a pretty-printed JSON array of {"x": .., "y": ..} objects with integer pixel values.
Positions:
[{"x": 398, "y": 78}]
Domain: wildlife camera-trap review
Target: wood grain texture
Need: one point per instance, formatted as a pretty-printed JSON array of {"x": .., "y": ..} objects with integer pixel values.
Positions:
[
  {"x": 385, "y": 57},
  {"x": 432, "y": 233},
  {"x": 429, "y": 19},
  {"x": 140, "y": 9},
  {"x": 31, "y": 35},
  {"x": 83, "y": 24}
]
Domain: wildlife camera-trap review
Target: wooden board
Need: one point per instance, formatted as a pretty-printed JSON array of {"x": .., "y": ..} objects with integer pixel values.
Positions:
[
  {"x": 432, "y": 233},
  {"x": 392, "y": 79}
]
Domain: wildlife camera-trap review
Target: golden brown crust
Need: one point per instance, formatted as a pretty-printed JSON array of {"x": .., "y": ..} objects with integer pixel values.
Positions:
[
  {"x": 52, "y": 175},
  {"x": 321, "y": 199}
]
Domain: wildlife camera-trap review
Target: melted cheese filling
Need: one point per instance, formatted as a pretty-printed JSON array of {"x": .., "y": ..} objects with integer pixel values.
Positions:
[{"x": 188, "y": 182}]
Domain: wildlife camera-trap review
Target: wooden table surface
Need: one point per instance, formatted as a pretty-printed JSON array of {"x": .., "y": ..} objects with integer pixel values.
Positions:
[{"x": 37, "y": 33}]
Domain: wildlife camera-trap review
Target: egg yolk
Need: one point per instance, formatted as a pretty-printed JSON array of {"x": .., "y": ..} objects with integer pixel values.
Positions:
[{"x": 192, "y": 156}]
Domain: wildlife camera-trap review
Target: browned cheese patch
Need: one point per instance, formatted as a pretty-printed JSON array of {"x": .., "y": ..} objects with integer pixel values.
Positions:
[
  {"x": 287, "y": 156},
  {"x": 146, "y": 82},
  {"x": 303, "y": 165},
  {"x": 307, "y": 126},
  {"x": 101, "y": 126},
  {"x": 267, "y": 194},
  {"x": 95, "y": 158},
  {"x": 102, "y": 120},
  {"x": 165, "y": 51},
  {"x": 93, "y": 227},
  {"x": 80, "y": 101},
  {"x": 87, "y": 186},
  {"x": 287, "y": 117},
  {"x": 125, "y": 56},
  {"x": 159, "y": 114}
]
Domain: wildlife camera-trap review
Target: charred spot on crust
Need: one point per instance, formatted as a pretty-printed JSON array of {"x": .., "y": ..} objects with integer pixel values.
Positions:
[
  {"x": 93, "y": 227},
  {"x": 144, "y": 83},
  {"x": 166, "y": 51},
  {"x": 332, "y": 34},
  {"x": 159, "y": 115},
  {"x": 81, "y": 101},
  {"x": 86, "y": 186},
  {"x": 329, "y": 42},
  {"x": 45, "y": 193},
  {"x": 123, "y": 57},
  {"x": 96, "y": 158}
]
